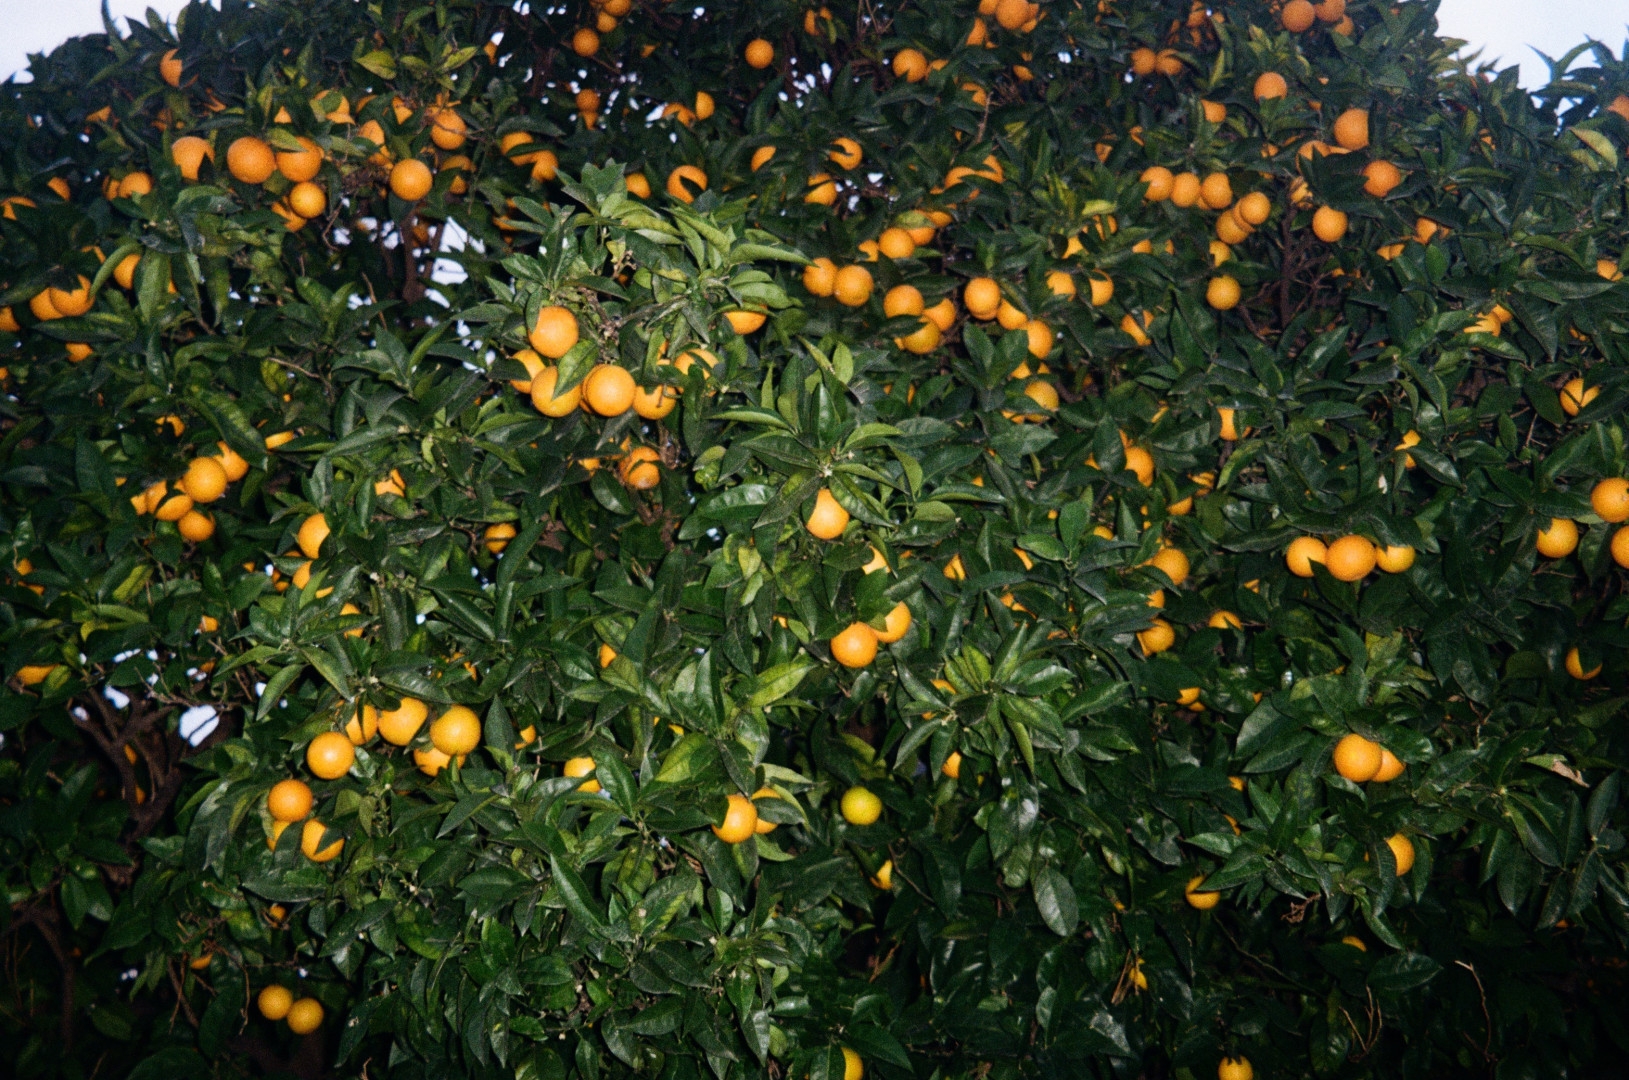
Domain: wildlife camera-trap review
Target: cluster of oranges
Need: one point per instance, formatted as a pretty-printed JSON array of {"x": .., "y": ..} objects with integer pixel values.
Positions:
[
  {"x": 277, "y": 1002},
  {"x": 204, "y": 481}
]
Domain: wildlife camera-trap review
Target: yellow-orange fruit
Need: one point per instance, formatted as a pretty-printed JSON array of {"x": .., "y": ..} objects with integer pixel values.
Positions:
[{"x": 1357, "y": 759}]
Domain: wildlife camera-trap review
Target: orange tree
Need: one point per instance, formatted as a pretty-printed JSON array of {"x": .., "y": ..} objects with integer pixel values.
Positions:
[{"x": 961, "y": 541}]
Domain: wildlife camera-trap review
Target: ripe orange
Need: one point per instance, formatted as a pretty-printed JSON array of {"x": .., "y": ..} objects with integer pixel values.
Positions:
[
  {"x": 1610, "y": 499},
  {"x": 845, "y": 153},
  {"x": 456, "y": 732},
  {"x": 1236, "y": 1068},
  {"x": 655, "y": 403},
  {"x": 585, "y": 42},
  {"x": 274, "y": 1002},
  {"x": 1157, "y": 638},
  {"x": 860, "y": 806},
  {"x": 1297, "y": 16},
  {"x": 855, "y": 646},
  {"x": 1223, "y": 294},
  {"x": 1390, "y": 767},
  {"x": 188, "y": 152},
  {"x": 852, "y": 286},
  {"x": 1394, "y": 558},
  {"x": 677, "y": 178},
  {"x": 745, "y": 322},
  {"x": 410, "y": 180},
  {"x": 1574, "y": 396},
  {"x": 1143, "y": 61},
  {"x": 1173, "y": 562},
  {"x": 363, "y": 726},
  {"x": 1352, "y": 129},
  {"x": 554, "y": 333},
  {"x": 1215, "y": 111},
  {"x": 1357, "y": 759},
  {"x": 400, "y": 725},
  {"x": 1197, "y": 898},
  {"x": 204, "y": 480},
  {"x": 496, "y": 538},
  {"x": 71, "y": 302},
  {"x": 1102, "y": 288},
  {"x": 1270, "y": 85},
  {"x": 1224, "y": 620},
  {"x": 307, "y": 199},
  {"x": 953, "y": 765},
  {"x": 759, "y": 53},
  {"x": 250, "y": 160},
  {"x": 581, "y": 766},
  {"x": 288, "y": 800},
  {"x": 1216, "y": 192},
  {"x": 299, "y": 166},
  {"x": 910, "y": 65},
  {"x": 639, "y": 470},
  {"x": 896, "y": 624},
  {"x": 637, "y": 184},
  {"x": 740, "y": 821},
  {"x": 169, "y": 68},
  {"x": 1302, "y": 553},
  {"x": 1254, "y": 208},
  {"x": 1380, "y": 177},
  {"x": 1141, "y": 462},
  {"x": 533, "y": 364},
  {"x": 133, "y": 184},
  {"x": 1575, "y": 666},
  {"x": 609, "y": 390},
  {"x": 195, "y": 527},
  {"x": 1159, "y": 181},
  {"x": 828, "y": 519},
  {"x": 447, "y": 128},
  {"x": 313, "y": 531},
  {"x": 822, "y": 192},
  {"x": 1620, "y": 547},
  {"x": 311, "y": 837},
  {"x": 305, "y": 1015},
  {"x": 983, "y": 297},
  {"x": 820, "y": 277},
  {"x": 1043, "y": 394},
  {"x": 1402, "y": 850},
  {"x": 544, "y": 399},
  {"x": 330, "y": 755},
  {"x": 1350, "y": 558},
  {"x": 1559, "y": 539},
  {"x": 1328, "y": 224}
]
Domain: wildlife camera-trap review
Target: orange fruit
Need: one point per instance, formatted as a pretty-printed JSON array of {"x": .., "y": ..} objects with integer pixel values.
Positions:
[
  {"x": 330, "y": 755},
  {"x": 860, "y": 806},
  {"x": 1158, "y": 180},
  {"x": 400, "y": 725},
  {"x": 1575, "y": 666},
  {"x": 1350, "y": 558},
  {"x": 1394, "y": 558},
  {"x": 311, "y": 837},
  {"x": 745, "y": 322},
  {"x": 1143, "y": 61},
  {"x": 136, "y": 183},
  {"x": 496, "y": 538},
  {"x": 544, "y": 399},
  {"x": 855, "y": 646},
  {"x": 1610, "y": 499},
  {"x": 1225, "y": 620},
  {"x": 1237, "y": 1068},
  {"x": 288, "y": 800},
  {"x": 305, "y": 1015},
  {"x": 188, "y": 152},
  {"x": 581, "y": 766},
  {"x": 1574, "y": 396},
  {"x": 637, "y": 184},
  {"x": 1157, "y": 638},
  {"x": 1172, "y": 562},
  {"x": 740, "y": 821},
  {"x": 533, "y": 364},
  {"x": 74, "y": 301},
  {"x": 1352, "y": 129},
  {"x": 274, "y": 1002},
  {"x": 1216, "y": 191},
  {"x": 952, "y": 766},
  {"x": 845, "y": 153},
  {"x": 1270, "y": 85},
  {"x": 609, "y": 390},
  {"x": 896, "y": 243},
  {"x": 1185, "y": 189},
  {"x": 1357, "y": 759},
  {"x": 852, "y": 286},
  {"x": 312, "y": 532},
  {"x": 410, "y": 180},
  {"x": 1102, "y": 287},
  {"x": 820, "y": 277},
  {"x": 655, "y": 403},
  {"x": 677, "y": 178},
  {"x": 1380, "y": 177},
  {"x": 910, "y": 65},
  {"x": 982, "y": 297},
  {"x": 1254, "y": 208},
  {"x": 299, "y": 166},
  {"x": 585, "y": 42},
  {"x": 1402, "y": 850},
  {"x": 169, "y": 68},
  {"x": 554, "y": 333},
  {"x": 307, "y": 199},
  {"x": 250, "y": 160},
  {"x": 1229, "y": 429},
  {"x": 639, "y": 469},
  {"x": 759, "y": 53},
  {"x": 204, "y": 481},
  {"x": 1223, "y": 294},
  {"x": 828, "y": 519},
  {"x": 1390, "y": 767},
  {"x": 1620, "y": 547},
  {"x": 456, "y": 732},
  {"x": 1297, "y": 16},
  {"x": 822, "y": 191},
  {"x": 1328, "y": 224},
  {"x": 195, "y": 527},
  {"x": 1141, "y": 462},
  {"x": 447, "y": 128},
  {"x": 896, "y": 624},
  {"x": 1215, "y": 111},
  {"x": 762, "y": 826},
  {"x": 902, "y": 300},
  {"x": 363, "y": 726},
  {"x": 1559, "y": 539},
  {"x": 1302, "y": 553},
  {"x": 1199, "y": 899}
]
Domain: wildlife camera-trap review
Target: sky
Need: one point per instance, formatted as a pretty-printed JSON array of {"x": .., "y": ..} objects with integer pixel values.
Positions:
[{"x": 1503, "y": 29}]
